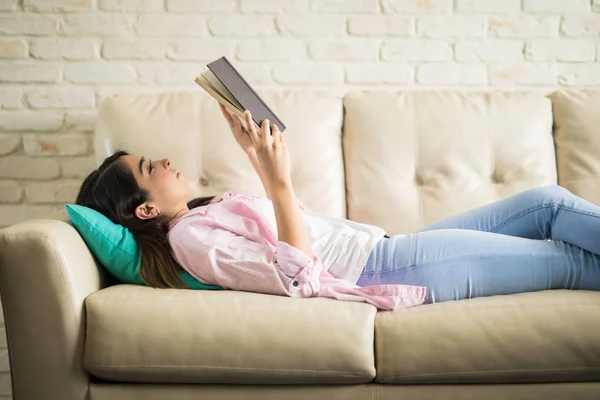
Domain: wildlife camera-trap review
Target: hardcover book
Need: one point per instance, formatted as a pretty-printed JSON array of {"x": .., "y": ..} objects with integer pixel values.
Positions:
[{"x": 223, "y": 82}]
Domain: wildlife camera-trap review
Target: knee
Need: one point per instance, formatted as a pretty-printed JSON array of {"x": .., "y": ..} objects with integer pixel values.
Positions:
[{"x": 552, "y": 193}]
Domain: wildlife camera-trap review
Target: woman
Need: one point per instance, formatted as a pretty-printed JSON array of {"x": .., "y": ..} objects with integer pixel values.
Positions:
[{"x": 540, "y": 239}]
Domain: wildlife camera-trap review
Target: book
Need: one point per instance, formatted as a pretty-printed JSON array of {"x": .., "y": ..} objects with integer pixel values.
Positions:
[{"x": 223, "y": 82}]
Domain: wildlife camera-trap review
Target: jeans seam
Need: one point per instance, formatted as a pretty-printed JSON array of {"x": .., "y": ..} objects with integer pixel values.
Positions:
[
  {"x": 535, "y": 208},
  {"x": 439, "y": 259}
]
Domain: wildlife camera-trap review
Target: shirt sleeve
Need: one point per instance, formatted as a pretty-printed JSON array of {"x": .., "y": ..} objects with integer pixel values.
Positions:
[{"x": 217, "y": 256}]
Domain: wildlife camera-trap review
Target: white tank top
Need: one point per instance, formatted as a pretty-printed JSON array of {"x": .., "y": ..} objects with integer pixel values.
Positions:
[{"x": 342, "y": 245}]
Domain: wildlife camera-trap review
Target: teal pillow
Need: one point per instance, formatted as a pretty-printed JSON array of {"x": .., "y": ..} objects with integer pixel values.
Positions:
[{"x": 114, "y": 246}]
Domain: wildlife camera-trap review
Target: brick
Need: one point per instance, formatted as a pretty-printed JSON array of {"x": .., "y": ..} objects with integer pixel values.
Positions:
[
  {"x": 77, "y": 167},
  {"x": 451, "y": 74},
  {"x": 274, "y": 6},
  {"x": 9, "y": 215},
  {"x": 131, "y": 5},
  {"x": 241, "y": 25},
  {"x": 522, "y": 74},
  {"x": 489, "y": 51},
  {"x": 311, "y": 25},
  {"x": 107, "y": 91},
  {"x": 170, "y": 25},
  {"x": 10, "y": 192},
  {"x": 579, "y": 74},
  {"x": 488, "y": 6},
  {"x": 58, "y": 5},
  {"x": 585, "y": 26},
  {"x": 99, "y": 72},
  {"x": 128, "y": 49},
  {"x": 13, "y": 48},
  {"x": 523, "y": 27},
  {"x": 97, "y": 24},
  {"x": 194, "y": 49},
  {"x": 556, "y": 6},
  {"x": 64, "y": 97},
  {"x": 10, "y": 98},
  {"x": 331, "y": 49},
  {"x": 417, "y": 6},
  {"x": 375, "y": 73},
  {"x": 9, "y": 143},
  {"x": 80, "y": 121},
  {"x": 559, "y": 50},
  {"x": 19, "y": 167},
  {"x": 386, "y": 25},
  {"x": 320, "y": 74},
  {"x": 271, "y": 49},
  {"x": 29, "y": 72},
  {"x": 63, "y": 191},
  {"x": 21, "y": 121},
  {"x": 63, "y": 48},
  {"x": 71, "y": 144},
  {"x": 8, "y": 5},
  {"x": 416, "y": 50},
  {"x": 221, "y": 6},
  {"x": 344, "y": 6},
  {"x": 451, "y": 27},
  {"x": 167, "y": 73},
  {"x": 28, "y": 25},
  {"x": 255, "y": 73}
]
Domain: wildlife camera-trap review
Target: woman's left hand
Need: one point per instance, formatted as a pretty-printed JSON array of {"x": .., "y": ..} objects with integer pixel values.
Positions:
[{"x": 239, "y": 132}]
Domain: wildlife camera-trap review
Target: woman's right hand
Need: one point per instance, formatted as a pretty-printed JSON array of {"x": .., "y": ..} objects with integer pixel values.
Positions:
[{"x": 271, "y": 150}]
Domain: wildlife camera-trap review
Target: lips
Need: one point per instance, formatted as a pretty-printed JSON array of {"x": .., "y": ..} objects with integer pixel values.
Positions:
[{"x": 178, "y": 174}]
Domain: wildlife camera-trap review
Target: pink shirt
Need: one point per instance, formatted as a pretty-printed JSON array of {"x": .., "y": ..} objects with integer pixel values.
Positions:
[{"x": 232, "y": 242}]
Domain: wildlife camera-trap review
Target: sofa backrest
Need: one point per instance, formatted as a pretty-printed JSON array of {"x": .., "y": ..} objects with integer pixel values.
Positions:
[
  {"x": 403, "y": 160},
  {"x": 577, "y": 141},
  {"x": 415, "y": 157},
  {"x": 188, "y": 128}
]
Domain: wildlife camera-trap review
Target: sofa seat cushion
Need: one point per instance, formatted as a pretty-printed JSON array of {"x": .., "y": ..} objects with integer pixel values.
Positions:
[
  {"x": 546, "y": 336},
  {"x": 140, "y": 334}
]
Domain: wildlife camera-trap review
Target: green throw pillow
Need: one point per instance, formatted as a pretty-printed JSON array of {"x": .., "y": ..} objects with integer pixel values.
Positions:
[{"x": 114, "y": 246}]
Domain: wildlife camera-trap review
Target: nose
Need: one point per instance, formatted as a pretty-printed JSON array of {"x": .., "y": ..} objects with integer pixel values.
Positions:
[{"x": 167, "y": 163}]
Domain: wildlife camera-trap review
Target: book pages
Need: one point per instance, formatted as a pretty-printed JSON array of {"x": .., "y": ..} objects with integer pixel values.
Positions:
[
  {"x": 210, "y": 77},
  {"x": 210, "y": 89}
]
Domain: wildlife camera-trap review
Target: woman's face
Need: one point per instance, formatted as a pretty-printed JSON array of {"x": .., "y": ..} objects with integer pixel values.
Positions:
[{"x": 169, "y": 189}]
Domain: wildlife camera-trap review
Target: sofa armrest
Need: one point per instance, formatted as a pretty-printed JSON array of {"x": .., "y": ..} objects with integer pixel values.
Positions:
[{"x": 46, "y": 272}]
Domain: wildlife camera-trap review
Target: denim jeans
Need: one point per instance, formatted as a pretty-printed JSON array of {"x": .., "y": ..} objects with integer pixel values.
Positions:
[{"x": 539, "y": 239}]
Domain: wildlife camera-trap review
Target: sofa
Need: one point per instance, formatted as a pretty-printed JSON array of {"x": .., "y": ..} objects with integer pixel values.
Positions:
[{"x": 397, "y": 159}]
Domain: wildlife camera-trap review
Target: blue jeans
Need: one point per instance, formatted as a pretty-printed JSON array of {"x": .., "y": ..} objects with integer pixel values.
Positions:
[{"x": 539, "y": 239}]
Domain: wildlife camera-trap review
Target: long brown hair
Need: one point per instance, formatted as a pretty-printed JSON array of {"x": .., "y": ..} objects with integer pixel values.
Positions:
[{"x": 113, "y": 191}]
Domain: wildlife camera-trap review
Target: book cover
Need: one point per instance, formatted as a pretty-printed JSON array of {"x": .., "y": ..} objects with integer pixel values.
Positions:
[{"x": 228, "y": 86}]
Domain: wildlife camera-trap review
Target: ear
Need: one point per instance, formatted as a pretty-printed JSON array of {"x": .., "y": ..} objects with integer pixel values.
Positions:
[{"x": 146, "y": 211}]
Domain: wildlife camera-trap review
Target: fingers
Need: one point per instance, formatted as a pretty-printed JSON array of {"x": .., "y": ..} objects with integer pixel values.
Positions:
[
  {"x": 226, "y": 113},
  {"x": 251, "y": 128},
  {"x": 237, "y": 124},
  {"x": 265, "y": 131},
  {"x": 277, "y": 135}
]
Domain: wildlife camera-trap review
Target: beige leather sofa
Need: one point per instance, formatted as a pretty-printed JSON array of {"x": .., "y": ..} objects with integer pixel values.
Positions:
[{"x": 400, "y": 160}]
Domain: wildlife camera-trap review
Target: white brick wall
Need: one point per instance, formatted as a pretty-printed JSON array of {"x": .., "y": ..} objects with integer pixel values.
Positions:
[{"x": 60, "y": 58}]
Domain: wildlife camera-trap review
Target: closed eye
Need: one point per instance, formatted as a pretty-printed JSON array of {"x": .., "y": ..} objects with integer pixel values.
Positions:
[{"x": 150, "y": 167}]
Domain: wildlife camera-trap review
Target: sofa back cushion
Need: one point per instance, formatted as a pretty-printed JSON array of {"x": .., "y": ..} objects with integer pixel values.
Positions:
[
  {"x": 577, "y": 138},
  {"x": 188, "y": 128},
  {"x": 412, "y": 158}
]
